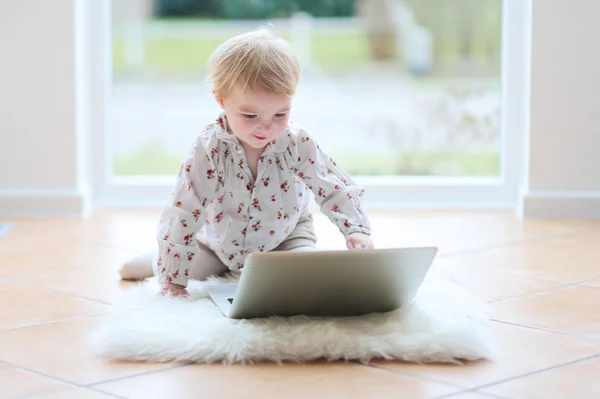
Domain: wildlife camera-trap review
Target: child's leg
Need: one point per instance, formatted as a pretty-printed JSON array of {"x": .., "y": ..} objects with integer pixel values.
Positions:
[
  {"x": 205, "y": 264},
  {"x": 302, "y": 238}
]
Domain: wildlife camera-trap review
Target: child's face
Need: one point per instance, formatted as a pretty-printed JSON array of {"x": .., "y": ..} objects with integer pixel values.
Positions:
[{"x": 256, "y": 117}]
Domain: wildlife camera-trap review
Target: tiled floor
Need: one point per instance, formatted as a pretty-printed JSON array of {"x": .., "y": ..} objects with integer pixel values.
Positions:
[{"x": 541, "y": 278}]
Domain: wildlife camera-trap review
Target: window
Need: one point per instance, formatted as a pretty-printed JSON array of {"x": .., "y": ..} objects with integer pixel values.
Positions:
[{"x": 411, "y": 97}]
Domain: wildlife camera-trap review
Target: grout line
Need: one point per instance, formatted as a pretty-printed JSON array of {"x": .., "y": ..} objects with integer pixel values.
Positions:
[
  {"x": 483, "y": 394},
  {"x": 517, "y": 243},
  {"x": 91, "y": 386},
  {"x": 87, "y": 316},
  {"x": 106, "y": 393},
  {"x": 421, "y": 377},
  {"x": 491, "y": 395},
  {"x": 539, "y": 371},
  {"x": 468, "y": 251},
  {"x": 482, "y": 249},
  {"x": 546, "y": 330},
  {"x": 72, "y": 383},
  {"x": 478, "y": 388},
  {"x": 528, "y": 294},
  {"x": 556, "y": 288},
  {"x": 35, "y": 395},
  {"x": 44, "y": 288},
  {"x": 168, "y": 367},
  {"x": 584, "y": 283}
]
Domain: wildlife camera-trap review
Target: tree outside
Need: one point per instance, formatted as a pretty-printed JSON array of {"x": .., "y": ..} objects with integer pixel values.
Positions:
[{"x": 390, "y": 87}]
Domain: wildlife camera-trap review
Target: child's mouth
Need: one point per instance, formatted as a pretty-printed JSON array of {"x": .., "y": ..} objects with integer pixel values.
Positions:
[{"x": 259, "y": 137}]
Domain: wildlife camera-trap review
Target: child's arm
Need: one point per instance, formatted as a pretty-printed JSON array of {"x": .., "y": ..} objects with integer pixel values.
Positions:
[
  {"x": 339, "y": 197},
  {"x": 185, "y": 214}
]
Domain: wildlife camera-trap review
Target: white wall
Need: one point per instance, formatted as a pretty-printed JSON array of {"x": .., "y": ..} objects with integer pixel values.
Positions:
[
  {"x": 41, "y": 124},
  {"x": 45, "y": 108},
  {"x": 563, "y": 177}
]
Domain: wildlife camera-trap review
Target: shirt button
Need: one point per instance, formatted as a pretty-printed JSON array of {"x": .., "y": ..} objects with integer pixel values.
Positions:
[{"x": 240, "y": 151}]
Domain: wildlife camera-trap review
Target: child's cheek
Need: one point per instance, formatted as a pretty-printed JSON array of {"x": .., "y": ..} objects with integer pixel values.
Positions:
[
  {"x": 251, "y": 126},
  {"x": 248, "y": 124},
  {"x": 243, "y": 125},
  {"x": 282, "y": 123}
]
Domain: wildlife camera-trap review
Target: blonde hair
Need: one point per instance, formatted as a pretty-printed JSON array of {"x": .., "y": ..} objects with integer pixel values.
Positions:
[{"x": 258, "y": 59}]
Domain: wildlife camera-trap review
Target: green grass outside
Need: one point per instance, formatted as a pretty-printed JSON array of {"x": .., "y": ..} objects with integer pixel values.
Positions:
[
  {"x": 419, "y": 163},
  {"x": 184, "y": 57},
  {"x": 468, "y": 27},
  {"x": 154, "y": 160},
  {"x": 449, "y": 21}
]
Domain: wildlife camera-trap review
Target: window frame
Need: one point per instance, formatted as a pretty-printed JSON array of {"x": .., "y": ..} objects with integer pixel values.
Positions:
[{"x": 394, "y": 192}]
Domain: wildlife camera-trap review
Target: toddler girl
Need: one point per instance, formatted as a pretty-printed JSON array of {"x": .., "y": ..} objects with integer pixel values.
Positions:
[{"x": 244, "y": 186}]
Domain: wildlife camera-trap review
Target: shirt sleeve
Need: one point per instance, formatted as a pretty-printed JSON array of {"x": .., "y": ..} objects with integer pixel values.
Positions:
[
  {"x": 338, "y": 196},
  {"x": 185, "y": 214}
]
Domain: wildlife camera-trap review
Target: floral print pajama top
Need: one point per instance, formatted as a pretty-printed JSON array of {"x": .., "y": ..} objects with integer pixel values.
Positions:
[{"x": 217, "y": 200}]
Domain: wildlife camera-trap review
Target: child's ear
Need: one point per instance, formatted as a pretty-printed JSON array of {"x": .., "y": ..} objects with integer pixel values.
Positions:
[{"x": 220, "y": 100}]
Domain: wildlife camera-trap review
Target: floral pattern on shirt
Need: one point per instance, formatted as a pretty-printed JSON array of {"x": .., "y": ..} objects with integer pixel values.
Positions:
[{"x": 217, "y": 200}]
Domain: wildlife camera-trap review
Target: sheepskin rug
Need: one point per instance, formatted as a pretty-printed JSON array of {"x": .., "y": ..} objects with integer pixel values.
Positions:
[{"x": 445, "y": 324}]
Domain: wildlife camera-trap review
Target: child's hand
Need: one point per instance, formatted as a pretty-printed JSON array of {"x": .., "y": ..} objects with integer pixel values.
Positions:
[
  {"x": 173, "y": 289},
  {"x": 359, "y": 241}
]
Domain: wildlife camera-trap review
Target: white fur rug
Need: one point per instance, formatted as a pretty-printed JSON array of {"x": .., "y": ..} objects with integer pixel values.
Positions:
[{"x": 445, "y": 324}]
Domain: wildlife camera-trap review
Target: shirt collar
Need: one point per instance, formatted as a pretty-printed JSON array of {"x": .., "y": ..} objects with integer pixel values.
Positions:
[{"x": 279, "y": 145}]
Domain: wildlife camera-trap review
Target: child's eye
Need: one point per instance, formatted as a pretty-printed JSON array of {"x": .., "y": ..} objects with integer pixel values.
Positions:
[
  {"x": 249, "y": 116},
  {"x": 279, "y": 115}
]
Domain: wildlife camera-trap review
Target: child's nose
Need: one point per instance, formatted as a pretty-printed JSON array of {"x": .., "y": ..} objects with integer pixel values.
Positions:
[{"x": 267, "y": 127}]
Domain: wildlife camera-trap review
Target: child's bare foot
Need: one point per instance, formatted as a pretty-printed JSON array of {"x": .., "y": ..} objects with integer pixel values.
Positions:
[
  {"x": 173, "y": 289},
  {"x": 139, "y": 267}
]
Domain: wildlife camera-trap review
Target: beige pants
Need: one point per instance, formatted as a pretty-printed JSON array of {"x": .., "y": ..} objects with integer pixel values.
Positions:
[{"x": 302, "y": 238}]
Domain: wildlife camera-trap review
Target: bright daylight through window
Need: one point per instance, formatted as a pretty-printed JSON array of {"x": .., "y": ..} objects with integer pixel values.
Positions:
[{"x": 389, "y": 87}]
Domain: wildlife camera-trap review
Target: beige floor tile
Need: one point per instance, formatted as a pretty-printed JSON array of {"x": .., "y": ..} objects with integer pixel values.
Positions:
[
  {"x": 273, "y": 381},
  {"x": 561, "y": 262},
  {"x": 65, "y": 257},
  {"x": 34, "y": 236},
  {"x": 471, "y": 395},
  {"x": 130, "y": 229},
  {"x": 574, "y": 309},
  {"x": 21, "y": 305},
  {"x": 81, "y": 256},
  {"x": 583, "y": 238},
  {"x": 462, "y": 231},
  {"x": 18, "y": 244},
  {"x": 75, "y": 393},
  {"x": 520, "y": 350},
  {"x": 96, "y": 284},
  {"x": 63, "y": 350},
  {"x": 487, "y": 282},
  {"x": 577, "y": 380},
  {"x": 451, "y": 232},
  {"x": 593, "y": 283},
  {"x": 16, "y": 382},
  {"x": 103, "y": 227}
]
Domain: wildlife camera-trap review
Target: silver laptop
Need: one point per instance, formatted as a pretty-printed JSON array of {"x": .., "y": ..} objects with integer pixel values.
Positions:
[{"x": 324, "y": 283}]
